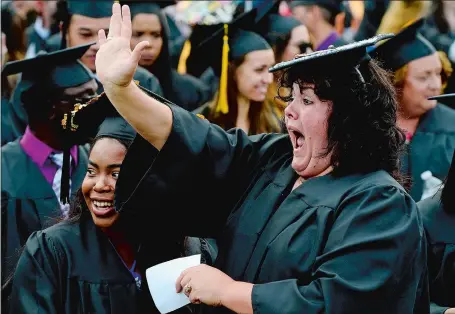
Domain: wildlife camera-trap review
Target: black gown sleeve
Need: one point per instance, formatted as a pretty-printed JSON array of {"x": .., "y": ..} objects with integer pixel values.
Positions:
[
  {"x": 35, "y": 287},
  {"x": 372, "y": 247},
  {"x": 197, "y": 177}
]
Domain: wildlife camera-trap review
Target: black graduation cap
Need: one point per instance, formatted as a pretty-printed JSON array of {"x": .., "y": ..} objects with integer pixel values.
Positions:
[
  {"x": 58, "y": 69},
  {"x": 231, "y": 42},
  {"x": 116, "y": 127},
  {"x": 332, "y": 60},
  {"x": 334, "y": 6},
  {"x": 443, "y": 96},
  {"x": 271, "y": 25},
  {"x": 90, "y": 8},
  {"x": 147, "y": 6},
  {"x": 406, "y": 46}
]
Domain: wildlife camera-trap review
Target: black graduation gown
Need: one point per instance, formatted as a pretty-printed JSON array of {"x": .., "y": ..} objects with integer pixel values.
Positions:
[
  {"x": 431, "y": 148},
  {"x": 145, "y": 79},
  {"x": 148, "y": 80},
  {"x": 352, "y": 244},
  {"x": 188, "y": 92},
  {"x": 28, "y": 201},
  {"x": 34, "y": 39},
  {"x": 73, "y": 268},
  {"x": 7, "y": 132},
  {"x": 439, "y": 227}
]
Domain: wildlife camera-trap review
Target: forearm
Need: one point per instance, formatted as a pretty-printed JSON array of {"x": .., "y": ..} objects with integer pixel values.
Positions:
[
  {"x": 238, "y": 297},
  {"x": 150, "y": 118}
]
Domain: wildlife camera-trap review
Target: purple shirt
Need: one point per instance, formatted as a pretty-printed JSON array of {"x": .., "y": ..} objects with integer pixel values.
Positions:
[
  {"x": 39, "y": 153},
  {"x": 333, "y": 37}
]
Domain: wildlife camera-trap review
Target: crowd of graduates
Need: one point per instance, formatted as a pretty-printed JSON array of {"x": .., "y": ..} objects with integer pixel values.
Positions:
[{"x": 304, "y": 148}]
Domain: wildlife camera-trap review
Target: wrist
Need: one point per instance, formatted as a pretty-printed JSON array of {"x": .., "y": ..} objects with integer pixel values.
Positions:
[
  {"x": 237, "y": 296},
  {"x": 113, "y": 88}
]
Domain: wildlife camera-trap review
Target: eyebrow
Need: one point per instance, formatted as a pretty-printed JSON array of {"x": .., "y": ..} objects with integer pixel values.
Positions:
[
  {"x": 86, "y": 29},
  {"x": 109, "y": 166}
]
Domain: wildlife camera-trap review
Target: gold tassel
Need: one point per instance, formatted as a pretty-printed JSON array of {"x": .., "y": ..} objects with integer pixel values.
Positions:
[
  {"x": 181, "y": 68},
  {"x": 222, "y": 105}
]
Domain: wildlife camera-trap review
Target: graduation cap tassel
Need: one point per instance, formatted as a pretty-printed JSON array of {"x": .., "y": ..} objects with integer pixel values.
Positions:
[
  {"x": 222, "y": 105},
  {"x": 65, "y": 179},
  {"x": 181, "y": 68}
]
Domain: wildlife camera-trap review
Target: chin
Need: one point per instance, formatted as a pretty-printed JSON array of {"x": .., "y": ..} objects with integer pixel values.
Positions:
[{"x": 258, "y": 98}]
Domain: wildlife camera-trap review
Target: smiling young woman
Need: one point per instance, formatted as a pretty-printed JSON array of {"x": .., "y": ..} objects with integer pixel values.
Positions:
[{"x": 94, "y": 260}]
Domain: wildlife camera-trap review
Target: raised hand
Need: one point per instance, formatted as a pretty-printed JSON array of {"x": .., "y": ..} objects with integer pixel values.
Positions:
[{"x": 115, "y": 62}]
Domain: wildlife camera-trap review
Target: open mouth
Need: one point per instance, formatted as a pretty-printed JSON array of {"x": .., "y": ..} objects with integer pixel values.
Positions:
[
  {"x": 297, "y": 139},
  {"x": 102, "y": 208}
]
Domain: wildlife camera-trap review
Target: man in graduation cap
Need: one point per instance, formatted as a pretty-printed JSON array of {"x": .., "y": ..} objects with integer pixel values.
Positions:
[
  {"x": 80, "y": 26},
  {"x": 43, "y": 167},
  {"x": 314, "y": 221},
  {"x": 319, "y": 17},
  {"x": 429, "y": 125}
]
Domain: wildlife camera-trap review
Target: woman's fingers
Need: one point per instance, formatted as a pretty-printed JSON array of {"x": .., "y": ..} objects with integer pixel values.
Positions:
[
  {"x": 126, "y": 23},
  {"x": 115, "y": 26},
  {"x": 137, "y": 52},
  {"x": 101, "y": 37}
]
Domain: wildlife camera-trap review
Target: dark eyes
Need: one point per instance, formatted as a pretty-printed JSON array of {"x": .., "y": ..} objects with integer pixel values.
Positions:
[
  {"x": 92, "y": 173},
  {"x": 153, "y": 34},
  {"x": 306, "y": 101},
  {"x": 86, "y": 34}
]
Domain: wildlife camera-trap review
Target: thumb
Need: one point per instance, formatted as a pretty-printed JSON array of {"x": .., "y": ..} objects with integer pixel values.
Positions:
[{"x": 137, "y": 52}]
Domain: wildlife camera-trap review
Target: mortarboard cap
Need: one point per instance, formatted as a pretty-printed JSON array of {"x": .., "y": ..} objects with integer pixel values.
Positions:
[
  {"x": 334, "y": 6},
  {"x": 443, "y": 96},
  {"x": 116, "y": 127},
  {"x": 90, "y": 8},
  {"x": 59, "y": 69},
  {"x": 271, "y": 25},
  {"x": 231, "y": 42},
  {"x": 150, "y": 7},
  {"x": 406, "y": 46},
  {"x": 332, "y": 60}
]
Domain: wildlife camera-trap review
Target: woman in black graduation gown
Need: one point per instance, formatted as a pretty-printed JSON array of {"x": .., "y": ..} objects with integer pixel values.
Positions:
[
  {"x": 313, "y": 221},
  {"x": 438, "y": 214},
  {"x": 241, "y": 63},
  {"x": 149, "y": 23},
  {"x": 93, "y": 262},
  {"x": 429, "y": 125}
]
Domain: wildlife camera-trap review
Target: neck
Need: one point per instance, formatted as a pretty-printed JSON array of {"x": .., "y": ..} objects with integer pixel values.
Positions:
[
  {"x": 300, "y": 180},
  {"x": 408, "y": 124},
  {"x": 243, "y": 110},
  {"x": 321, "y": 32},
  {"x": 48, "y": 136}
]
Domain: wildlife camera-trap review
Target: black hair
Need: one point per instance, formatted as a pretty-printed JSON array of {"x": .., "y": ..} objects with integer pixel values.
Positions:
[
  {"x": 328, "y": 15},
  {"x": 162, "y": 67},
  {"x": 439, "y": 18},
  {"x": 362, "y": 131}
]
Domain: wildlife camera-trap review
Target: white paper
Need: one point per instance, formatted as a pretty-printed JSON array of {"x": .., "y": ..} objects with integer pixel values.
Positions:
[{"x": 161, "y": 280}]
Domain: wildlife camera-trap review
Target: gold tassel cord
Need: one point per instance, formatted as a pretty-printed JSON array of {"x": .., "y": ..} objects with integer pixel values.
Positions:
[
  {"x": 222, "y": 105},
  {"x": 181, "y": 68}
]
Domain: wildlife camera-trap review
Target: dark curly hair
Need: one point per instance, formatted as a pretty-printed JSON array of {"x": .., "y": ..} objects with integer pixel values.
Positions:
[{"x": 362, "y": 131}]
